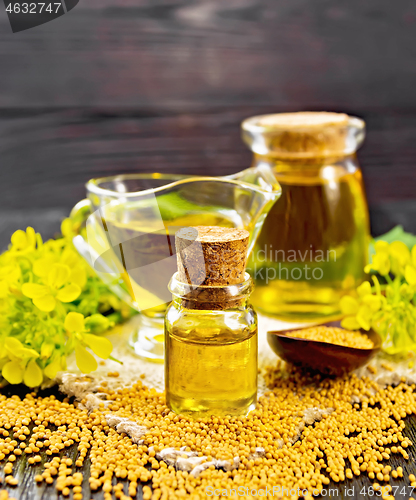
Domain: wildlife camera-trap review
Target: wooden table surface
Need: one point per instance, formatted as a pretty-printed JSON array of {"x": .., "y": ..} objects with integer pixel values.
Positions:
[{"x": 47, "y": 223}]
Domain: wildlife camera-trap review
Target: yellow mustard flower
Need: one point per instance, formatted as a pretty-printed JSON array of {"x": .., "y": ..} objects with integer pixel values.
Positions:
[
  {"x": 67, "y": 257},
  {"x": 400, "y": 252},
  {"x": 57, "y": 288},
  {"x": 71, "y": 226},
  {"x": 102, "y": 347},
  {"x": 381, "y": 259},
  {"x": 25, "y": 241},
  {"x": 57, "y": 364},
  {"x": 21, "y": 365},
  {"x": 410, "y": 269},
  {"x": 359, "y": 311},
  {"x": 9, "y": 277},
  {"x": 76, "y": 263},
  {"x": 67, "y": 228},
  {"x": 393, "y": 258}
]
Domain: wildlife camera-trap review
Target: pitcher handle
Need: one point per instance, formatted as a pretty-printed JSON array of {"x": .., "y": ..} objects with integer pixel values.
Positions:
[
  {"x": 261, "y": 176},
  {"x": 79, "y": 215}
]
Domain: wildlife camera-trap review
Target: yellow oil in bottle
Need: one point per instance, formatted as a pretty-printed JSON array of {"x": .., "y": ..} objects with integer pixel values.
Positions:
[
  {"x": 313, "y": 246},
  {"x": 212, "y": 362}
]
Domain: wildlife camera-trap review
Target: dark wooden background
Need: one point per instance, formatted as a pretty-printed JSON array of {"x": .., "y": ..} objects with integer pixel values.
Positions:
[{"x": 162, "y": 85}]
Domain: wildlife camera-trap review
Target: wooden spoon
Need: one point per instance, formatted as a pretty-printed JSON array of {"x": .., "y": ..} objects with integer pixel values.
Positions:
[{"x": 329, "y": 359}]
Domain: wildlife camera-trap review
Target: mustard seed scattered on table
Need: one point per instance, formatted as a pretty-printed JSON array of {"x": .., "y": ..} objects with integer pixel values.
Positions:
[
  {"x": 302, "y": 434},
  {"x": 338, "y": 336},
  {"x": 4, "y": 495},
  {"x": 12, "y": 481}
]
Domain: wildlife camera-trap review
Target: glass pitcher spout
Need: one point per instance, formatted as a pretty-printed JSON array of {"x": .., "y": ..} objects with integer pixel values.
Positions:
[
  {"x": 265, "y": 190},
  {"x": 261, "y": 176}
]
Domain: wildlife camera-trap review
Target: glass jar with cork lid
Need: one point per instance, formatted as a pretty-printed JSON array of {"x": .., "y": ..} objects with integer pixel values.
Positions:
[
  {"x": 314, "y": 243},
  {"x": 210, "y": 326}
]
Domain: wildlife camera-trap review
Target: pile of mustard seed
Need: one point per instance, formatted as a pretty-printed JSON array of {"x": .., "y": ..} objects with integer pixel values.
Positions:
[
  {"x": 302, "y": 435},
  {"x": 333, "y": 335}
]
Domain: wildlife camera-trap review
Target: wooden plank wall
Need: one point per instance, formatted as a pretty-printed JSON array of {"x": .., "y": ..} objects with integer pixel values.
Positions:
[{"x": 162, "y": 85}]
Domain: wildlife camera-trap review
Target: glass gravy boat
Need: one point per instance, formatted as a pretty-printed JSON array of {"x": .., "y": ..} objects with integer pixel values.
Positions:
[{"x": 128, "y": 233}]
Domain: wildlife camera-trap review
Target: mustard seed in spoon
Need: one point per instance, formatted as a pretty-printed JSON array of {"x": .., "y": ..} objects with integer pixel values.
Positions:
[{"x": 333, "y": 335}]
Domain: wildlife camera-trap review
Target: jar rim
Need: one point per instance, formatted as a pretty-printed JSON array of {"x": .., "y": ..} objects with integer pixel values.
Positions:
[
  {"x": 303, "y": 135},
  {"x": 264, "y": 123}
]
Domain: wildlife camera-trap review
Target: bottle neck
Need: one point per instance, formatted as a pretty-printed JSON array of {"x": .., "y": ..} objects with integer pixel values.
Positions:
[
  {"x": 210, "y": 298},
  {"x": 198, "y": 303}
]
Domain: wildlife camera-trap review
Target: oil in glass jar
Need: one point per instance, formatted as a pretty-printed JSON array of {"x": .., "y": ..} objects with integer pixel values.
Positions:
[
  {"x": 210, "y": 326},
  {"x": 313, "y": 246}
]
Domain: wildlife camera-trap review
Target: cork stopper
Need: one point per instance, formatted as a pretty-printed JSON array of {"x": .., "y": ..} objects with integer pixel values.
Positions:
[
  {"x": 304, "y": 134},
  {"x": 211, "y": 257}
]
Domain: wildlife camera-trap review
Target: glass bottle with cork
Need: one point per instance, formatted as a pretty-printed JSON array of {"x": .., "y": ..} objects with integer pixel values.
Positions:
[
  {"x": 210, "y": 326},
  {"x": 313, "y": 246}
]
